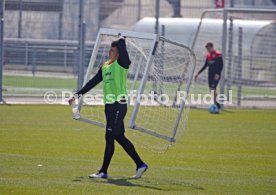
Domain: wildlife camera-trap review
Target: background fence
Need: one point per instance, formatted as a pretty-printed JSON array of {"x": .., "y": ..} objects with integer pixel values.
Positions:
[{"x": 42, "y": 40}]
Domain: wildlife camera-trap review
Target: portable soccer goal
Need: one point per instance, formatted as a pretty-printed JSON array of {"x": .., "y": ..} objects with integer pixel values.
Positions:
[{"x": 159, "y": 79}]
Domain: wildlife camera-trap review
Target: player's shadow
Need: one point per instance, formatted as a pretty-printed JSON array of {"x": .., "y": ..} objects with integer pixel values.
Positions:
[
  {"x": 126, "y": 182},
  {"x": 226, "y": 112},
  {"x": 118, "y": 181},
  {"x": 143, "y": 183}
]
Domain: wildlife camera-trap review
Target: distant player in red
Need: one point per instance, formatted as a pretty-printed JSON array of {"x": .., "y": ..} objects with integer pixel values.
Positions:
[{"x": 214, "y": 63}]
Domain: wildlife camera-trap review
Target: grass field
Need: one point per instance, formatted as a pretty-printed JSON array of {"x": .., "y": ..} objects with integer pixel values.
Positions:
[
  {"x": 39, "y": 82},
  {"x": 230, "y": 153}
]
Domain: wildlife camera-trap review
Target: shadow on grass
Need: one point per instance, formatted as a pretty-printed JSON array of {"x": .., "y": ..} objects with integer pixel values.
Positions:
[
  {"x": 228, "y": 111},
  {"x": 157, "y": 184}
]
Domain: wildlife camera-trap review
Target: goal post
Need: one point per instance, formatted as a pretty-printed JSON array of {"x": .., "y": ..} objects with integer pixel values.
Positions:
[
  {"x": 142, "y": 86},
  {"x": 158, "y": 112}
]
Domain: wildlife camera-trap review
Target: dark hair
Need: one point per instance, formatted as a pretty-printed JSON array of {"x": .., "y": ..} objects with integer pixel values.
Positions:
[
  {"x": 114, "y": 44},
  {"x": 209, "y": 44}
]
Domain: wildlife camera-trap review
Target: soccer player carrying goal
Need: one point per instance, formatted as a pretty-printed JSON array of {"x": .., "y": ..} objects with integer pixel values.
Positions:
[
  {"x": 214, "y": 63},
  {"x": 113, "y": 73}
]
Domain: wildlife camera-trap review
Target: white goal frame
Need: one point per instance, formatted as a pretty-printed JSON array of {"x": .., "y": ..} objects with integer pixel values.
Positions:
[{"x": 154, "y": 38}]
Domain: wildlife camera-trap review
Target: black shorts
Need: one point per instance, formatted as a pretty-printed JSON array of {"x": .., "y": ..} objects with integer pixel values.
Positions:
[
  {"x": 213, "y": 83},
  {"x": 115, "y": 114}
]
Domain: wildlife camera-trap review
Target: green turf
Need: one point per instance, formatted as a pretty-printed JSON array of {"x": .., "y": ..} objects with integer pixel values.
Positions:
[
  {"x": 39, "y": 82},
  {"x": 230, "y": 153}
]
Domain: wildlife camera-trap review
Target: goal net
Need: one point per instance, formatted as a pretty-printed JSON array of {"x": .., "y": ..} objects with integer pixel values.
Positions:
[
  {"x": 159, "y": 80},
  {"x": 250, "y": 60}
]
